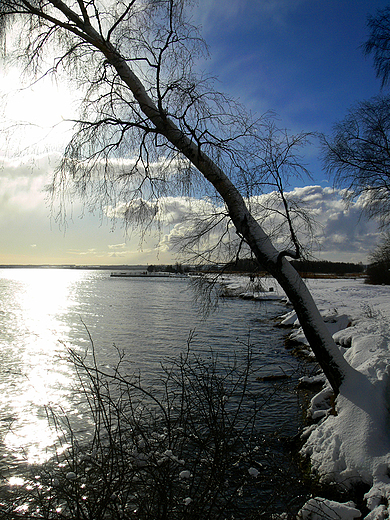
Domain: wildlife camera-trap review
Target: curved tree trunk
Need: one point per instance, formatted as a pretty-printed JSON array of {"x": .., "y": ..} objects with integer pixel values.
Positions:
[
  {"x": 326, "y": 351},
  {"x": 328, "y": 355}
]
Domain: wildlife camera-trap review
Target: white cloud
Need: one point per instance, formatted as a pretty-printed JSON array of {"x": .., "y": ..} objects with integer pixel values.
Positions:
[
  {"x": 344, "y": 233},
  {"x": 35, "y": 115},
  {"x": 28, "y": 235},
  {"x": 23, "y": 181},
  {"x": 117, "y": 247},
  {"x": 211, "y": 13},
  {"x": 341, "y": 233}
]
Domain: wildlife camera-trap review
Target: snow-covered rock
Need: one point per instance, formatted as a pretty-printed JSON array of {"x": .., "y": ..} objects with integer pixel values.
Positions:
[
  {"x": 353, "y": 444},
  {"x": 351, "y": 440},
  {"x": 321, "y": 509}
]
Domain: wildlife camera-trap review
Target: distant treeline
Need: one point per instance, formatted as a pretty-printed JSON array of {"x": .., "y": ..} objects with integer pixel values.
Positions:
[
  {"x": 247, "y": 265},
  {"x": 176, "y": 268},
  {"x": 326, "y": 267},
  {"x": 302, "y": 266}
]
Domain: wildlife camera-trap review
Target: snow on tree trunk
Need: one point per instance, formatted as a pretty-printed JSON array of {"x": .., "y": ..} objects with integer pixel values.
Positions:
[
  {"x": 327, "y": 354},
  {"x": 325, "y": 350}
]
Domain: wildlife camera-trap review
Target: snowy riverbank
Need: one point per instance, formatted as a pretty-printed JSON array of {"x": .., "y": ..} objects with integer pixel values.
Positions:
[{"x": 349, "y": 441}]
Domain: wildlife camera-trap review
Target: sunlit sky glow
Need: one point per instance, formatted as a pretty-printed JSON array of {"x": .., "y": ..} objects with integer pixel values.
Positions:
[{"x": 299, "y": 58}]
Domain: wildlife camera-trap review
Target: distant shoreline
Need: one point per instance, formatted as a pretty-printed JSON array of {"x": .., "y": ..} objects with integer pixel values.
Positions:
[{"x": 64, "y": 266}]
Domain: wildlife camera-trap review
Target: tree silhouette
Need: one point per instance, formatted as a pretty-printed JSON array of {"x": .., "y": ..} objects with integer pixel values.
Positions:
[{"x": 150, "y": 125}]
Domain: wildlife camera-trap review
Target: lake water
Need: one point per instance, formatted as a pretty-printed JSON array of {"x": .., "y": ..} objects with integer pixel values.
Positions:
[{"x": 44, "y": 312}]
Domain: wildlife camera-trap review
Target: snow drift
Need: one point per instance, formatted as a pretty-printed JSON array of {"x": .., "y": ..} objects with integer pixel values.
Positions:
[{"x": 349, "y": 438}]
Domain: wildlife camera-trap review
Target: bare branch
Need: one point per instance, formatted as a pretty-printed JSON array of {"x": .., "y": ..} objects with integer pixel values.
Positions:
[
  {"x": 358, "y": 156},
  {"x": 150, "y": 125}
]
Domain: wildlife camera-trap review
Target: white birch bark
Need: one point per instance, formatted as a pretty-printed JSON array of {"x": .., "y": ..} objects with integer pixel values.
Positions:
[{"x": 328, "y": 355}]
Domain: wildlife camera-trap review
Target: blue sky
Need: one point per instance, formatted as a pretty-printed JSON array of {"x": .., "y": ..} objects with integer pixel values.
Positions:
[{"x": 301, "y": 59}]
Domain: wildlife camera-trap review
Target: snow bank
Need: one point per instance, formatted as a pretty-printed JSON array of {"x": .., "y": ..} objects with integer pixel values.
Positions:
[
  {"x": 320, "y": 509},
  {"x": 352, "y": 442},
  {"x": 350, "y": 439},
  {"x": 243, "y": 287}
]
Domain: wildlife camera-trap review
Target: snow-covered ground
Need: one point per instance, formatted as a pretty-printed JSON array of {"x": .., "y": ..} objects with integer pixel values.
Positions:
[{"x": 349, "y": 440}]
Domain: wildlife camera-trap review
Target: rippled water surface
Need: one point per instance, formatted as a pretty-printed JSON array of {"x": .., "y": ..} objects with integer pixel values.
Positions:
[{"x": 44, "y": 312}]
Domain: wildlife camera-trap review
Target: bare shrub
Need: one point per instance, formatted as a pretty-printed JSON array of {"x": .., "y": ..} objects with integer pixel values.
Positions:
[{"x": 187, "y": 447}]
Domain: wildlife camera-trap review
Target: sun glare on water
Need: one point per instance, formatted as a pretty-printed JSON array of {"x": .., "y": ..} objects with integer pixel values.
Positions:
[{"x": 37, "y": 373}]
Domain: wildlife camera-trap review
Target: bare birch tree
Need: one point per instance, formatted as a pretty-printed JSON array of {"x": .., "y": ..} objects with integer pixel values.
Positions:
[
  {"x": 150, "y": 125},
  {"x": 357, "y": 156}
]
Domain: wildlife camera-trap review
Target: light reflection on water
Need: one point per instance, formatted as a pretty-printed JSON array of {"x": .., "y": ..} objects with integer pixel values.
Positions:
[
  {"x": 40, "y": 318},
  {"x": 34, "y": 371}
]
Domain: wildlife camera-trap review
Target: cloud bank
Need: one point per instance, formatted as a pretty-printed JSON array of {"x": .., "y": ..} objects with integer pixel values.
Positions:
[
  {"x": 29, "y": 234},
  {"x": 341, "y": 233}
]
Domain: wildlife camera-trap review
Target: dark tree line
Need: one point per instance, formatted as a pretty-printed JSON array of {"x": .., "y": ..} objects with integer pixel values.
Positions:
[
  {"x": 327, "y": 267},
  {"x": 378, "y": 272},
  {"x": 248, "y": 265}
]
